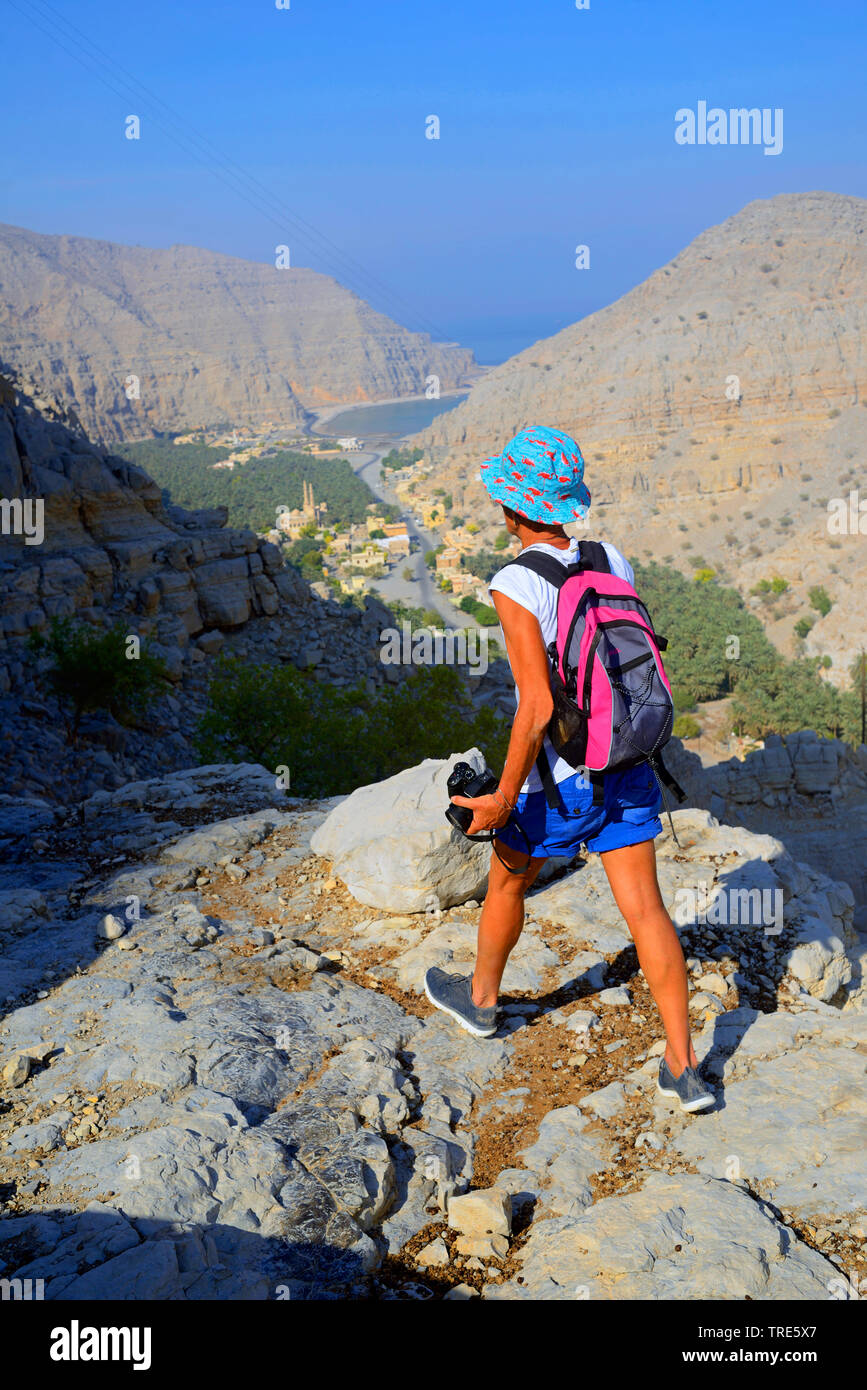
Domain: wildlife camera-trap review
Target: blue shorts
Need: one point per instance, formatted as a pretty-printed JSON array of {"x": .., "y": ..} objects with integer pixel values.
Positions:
[{"x": 628, "y": 815}]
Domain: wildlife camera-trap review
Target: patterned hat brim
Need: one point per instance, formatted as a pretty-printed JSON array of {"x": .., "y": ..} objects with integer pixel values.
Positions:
[{"x": 558, "y": 510}]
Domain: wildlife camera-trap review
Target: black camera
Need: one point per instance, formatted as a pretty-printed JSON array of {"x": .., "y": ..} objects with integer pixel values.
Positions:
[{"x": 465, "y": 781}]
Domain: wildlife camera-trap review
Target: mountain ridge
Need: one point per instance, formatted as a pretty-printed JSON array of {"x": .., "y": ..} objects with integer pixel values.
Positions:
[
  {"x": 732, "y": 378},
  {"x": 209, "y": 336}
]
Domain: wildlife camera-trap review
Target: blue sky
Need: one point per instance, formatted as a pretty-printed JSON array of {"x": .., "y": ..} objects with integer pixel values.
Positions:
[{"x": 556, "y": 128}]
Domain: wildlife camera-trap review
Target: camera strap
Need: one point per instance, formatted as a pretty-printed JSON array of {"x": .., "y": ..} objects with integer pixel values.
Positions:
[{"x": 491, "y": 835}]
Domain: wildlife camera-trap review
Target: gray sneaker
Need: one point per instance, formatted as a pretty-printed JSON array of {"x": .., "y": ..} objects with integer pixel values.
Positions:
[
  {"x": 454, "y": 995},
  {"x": 688, "y": 1088}
]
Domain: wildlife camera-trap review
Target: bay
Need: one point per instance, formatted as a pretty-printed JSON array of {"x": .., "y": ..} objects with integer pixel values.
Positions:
[{"x": 389, "y": 420}]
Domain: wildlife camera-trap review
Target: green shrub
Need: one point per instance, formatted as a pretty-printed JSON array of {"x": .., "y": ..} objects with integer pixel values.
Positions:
[
  {"x": 772, "y": 695},
  {"x": 252, "y": 491},
  {"x": 685, "y": 726},
  {"x": 484, "y": 614},
  {"x": 91, "y": 669},
  {"x": 401, "y": 458},
  {"x": 683, "y": 698},
  {"x": 335, "y": 740},
  {"x": 820, "y": 600}
]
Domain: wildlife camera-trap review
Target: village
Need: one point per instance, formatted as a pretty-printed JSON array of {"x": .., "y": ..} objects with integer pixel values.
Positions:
[
  {"x": 356, "y": 557},
  {"x": 393, "y": 542},
  {"x": 392, "y": 539}
]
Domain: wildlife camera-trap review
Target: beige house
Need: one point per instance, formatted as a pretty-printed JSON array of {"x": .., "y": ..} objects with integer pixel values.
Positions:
[
  {"x": 369, "y": 557},
  {"x": 463, "y": 583},
  {"x": 448, "y": 563},
  {"x": 462, "y": 540}
]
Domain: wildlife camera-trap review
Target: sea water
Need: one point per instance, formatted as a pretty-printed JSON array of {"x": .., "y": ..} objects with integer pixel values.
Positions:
[{"x": 392, "y": 421}]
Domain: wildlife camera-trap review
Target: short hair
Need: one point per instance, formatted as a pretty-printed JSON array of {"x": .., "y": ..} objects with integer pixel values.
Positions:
[{"x": 526, "y": 520}]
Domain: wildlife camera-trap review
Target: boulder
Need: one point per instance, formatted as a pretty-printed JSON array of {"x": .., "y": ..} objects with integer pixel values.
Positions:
[
  {"x": 476, "y": 1215},
  {"x": 392, "y": 846}
]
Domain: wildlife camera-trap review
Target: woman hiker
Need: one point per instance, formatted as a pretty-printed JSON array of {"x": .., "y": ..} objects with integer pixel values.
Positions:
[{"x": 538, "y": 481}]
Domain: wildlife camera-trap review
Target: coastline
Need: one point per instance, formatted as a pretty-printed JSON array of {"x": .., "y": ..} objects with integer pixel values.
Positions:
[{"x": 323, "y": 414}]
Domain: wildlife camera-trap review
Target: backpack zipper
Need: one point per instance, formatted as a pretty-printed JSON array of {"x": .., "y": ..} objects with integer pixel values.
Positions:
[
  {"x": 591, "y": 655},
  {"x": 585, "y": 603}
]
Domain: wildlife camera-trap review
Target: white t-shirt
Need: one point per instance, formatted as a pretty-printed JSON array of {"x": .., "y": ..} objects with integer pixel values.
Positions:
[{"x": 536, "y": 594}]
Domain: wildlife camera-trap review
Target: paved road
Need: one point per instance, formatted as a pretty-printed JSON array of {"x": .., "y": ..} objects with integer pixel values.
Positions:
[{"x": 421, "y": 592}]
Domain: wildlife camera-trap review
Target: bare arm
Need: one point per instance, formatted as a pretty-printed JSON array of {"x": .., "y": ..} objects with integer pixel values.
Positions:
[{"x": 529, "y": 662}]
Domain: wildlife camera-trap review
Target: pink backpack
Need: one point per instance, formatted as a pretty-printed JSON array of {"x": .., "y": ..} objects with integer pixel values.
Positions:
[{"x": 612, "y": 700}]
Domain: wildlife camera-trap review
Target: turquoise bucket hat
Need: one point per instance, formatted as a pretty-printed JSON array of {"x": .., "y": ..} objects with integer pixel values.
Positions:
[{"x": 539, "y": 474}]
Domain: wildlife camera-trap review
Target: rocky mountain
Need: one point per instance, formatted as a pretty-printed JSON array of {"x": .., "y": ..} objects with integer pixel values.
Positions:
[
  {"x": 202, "y": 338},
  {"x": 183, "y": 582},
  {"x": 720, "y": 407},
  {"x": 220, "y": 1077}
]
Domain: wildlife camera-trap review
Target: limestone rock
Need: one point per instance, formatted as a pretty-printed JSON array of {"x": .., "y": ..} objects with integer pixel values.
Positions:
[
  {"x": 209, "y": 336},
  {"x": 616, "y": 997},
  {"x": 17, "y": 1069},
  {"x": 433, "y": 1255},
  {"x": 393, "y": 847},
  {"x": 479, "y": 1214},
  {"x": 681, "y": 1237},
  {"x": 111, "y": 927}
]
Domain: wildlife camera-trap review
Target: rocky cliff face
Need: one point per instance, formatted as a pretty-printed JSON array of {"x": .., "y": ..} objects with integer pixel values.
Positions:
[
  {"x": 183, "y": 581},
  {"x": 720, "y": 406},
  {"x": 810, "y": 792},
  {"x": 110, "y": 547},
  {"x": 209, "y": 338}
]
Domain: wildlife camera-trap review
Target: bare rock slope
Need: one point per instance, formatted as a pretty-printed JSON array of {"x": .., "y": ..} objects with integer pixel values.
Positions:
[
  {"x": 210, "y": 338},
  {"x": 720, "y": 407},
  {"x": 183, "y": 582},
  {"x": 109, "y": 544},
  {"x": 220, "y": 1078}
]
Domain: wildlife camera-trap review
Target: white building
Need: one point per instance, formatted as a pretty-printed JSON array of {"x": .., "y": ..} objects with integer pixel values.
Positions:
[{"x": 351, "y": 444}]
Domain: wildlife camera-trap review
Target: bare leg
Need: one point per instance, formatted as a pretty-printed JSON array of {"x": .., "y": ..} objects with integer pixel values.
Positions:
[
  {"x": 501, "y": 922},
  {"x": 632, "y": 875}
]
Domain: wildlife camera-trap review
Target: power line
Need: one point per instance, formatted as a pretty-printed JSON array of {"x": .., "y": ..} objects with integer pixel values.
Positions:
[{"x": 244, "y": 184}]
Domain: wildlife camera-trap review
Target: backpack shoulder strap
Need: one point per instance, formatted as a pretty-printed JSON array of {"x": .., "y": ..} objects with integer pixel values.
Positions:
[
  {"x": 545, "y": 566},
  {"x": 549, "y": 786},
  {"x": 592, "y": 556}
]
